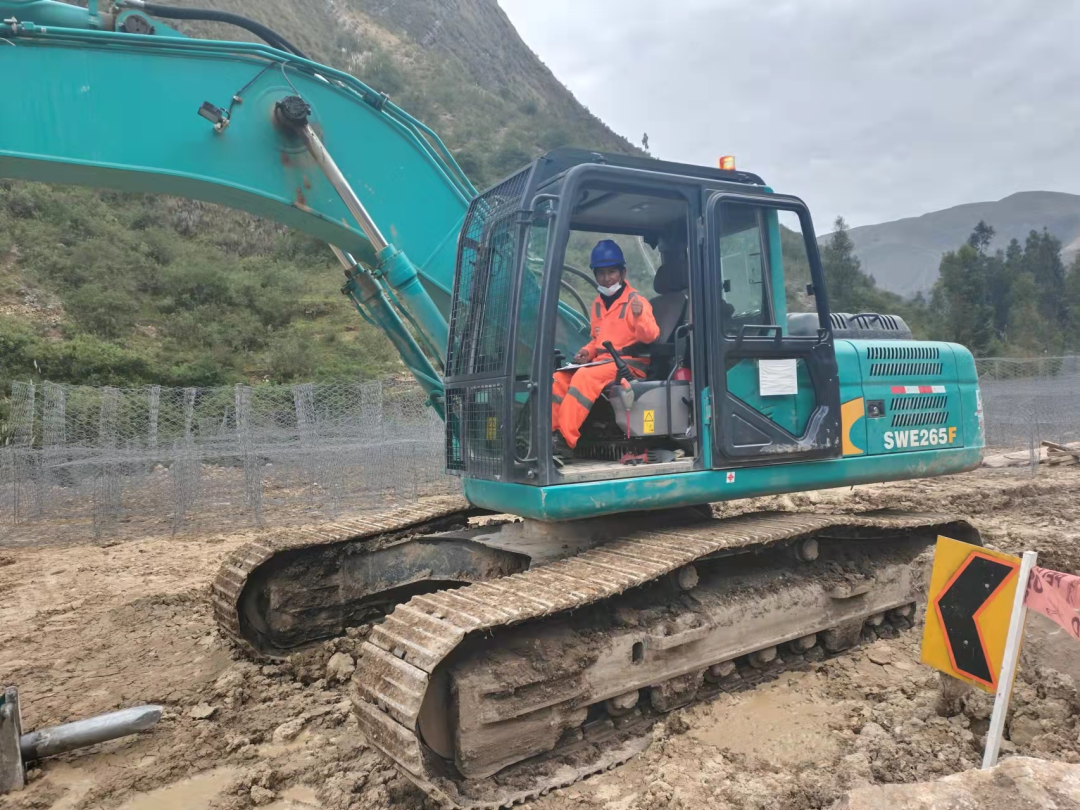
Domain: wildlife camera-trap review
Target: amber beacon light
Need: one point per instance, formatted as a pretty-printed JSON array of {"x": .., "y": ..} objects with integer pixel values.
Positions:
[{"x": 727, "y": 163}]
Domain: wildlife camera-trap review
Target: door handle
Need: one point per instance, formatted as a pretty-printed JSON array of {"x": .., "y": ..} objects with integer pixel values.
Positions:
[{"x": 766, "y": 328}]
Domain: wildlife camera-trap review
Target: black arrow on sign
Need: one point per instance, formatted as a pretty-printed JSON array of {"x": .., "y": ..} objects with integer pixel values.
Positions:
[{"x": 977, "y": 580}]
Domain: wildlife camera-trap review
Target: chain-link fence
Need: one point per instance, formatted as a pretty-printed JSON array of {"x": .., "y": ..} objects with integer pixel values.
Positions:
[
  {"x": 110, "y": 462},
  {"x": 1028, "y": 401}
]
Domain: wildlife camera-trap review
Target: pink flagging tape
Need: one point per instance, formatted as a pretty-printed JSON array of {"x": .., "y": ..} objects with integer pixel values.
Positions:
[{"x": 1056, "y": 596}]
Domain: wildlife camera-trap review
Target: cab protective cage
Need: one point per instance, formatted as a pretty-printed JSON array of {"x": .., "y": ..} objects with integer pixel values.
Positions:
[{"x": 498, "y": 427}]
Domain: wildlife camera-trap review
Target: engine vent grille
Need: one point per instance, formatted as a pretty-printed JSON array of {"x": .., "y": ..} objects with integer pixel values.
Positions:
[
  {"x": 919, "y": 403},
  {"x": 903, "y": 353},
  {"x": 904, "y": 369},
  {"x": 920, "y": 419}
]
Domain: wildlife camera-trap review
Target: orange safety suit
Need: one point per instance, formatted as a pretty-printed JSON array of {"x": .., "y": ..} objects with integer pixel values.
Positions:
[{"x": 575, "y": 390}]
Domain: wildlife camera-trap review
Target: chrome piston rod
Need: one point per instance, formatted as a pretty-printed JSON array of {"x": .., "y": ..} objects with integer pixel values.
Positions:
[
  {"x": 393, "y": 267},
  {"x": 322, "y": 157}
]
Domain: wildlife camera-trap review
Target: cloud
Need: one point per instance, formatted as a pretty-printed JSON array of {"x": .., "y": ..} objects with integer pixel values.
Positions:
[{"x": 870, "y": 110}]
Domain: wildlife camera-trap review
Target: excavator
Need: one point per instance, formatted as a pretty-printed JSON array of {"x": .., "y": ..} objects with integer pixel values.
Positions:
[{"x": 528, "y": 633}]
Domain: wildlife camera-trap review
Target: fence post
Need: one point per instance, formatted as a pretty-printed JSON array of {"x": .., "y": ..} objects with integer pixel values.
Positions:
[
  {"x": 154, "y": 403},
  {"x": 185, "y": 464},
  {"x": 252, "y": 474},
  {"x": 371, "y": 409},
  {"x": 304, "y": 405},
  {"x": 7, "y": 484},
  {"x": 22, "y": 441},
  {"x": 107, "y": 491}
]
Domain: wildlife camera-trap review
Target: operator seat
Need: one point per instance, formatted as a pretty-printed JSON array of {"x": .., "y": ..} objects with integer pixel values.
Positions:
[
  {"x": 666, "y": 402},
  {"x": 669, "y": 307}
]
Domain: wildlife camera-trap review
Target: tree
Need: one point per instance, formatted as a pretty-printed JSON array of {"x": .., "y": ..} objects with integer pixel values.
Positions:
[
  {"x": 960, "y": 299},
  {"x": 1042, "y": 258},
  {"x": 849, "y": 287},
  {"x": 1072, "y": 304},
  {"x": 982, "y": 236}
]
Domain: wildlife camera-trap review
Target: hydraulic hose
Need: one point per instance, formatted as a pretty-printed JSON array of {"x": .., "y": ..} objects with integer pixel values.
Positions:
[{"x": 268, "y": 35}]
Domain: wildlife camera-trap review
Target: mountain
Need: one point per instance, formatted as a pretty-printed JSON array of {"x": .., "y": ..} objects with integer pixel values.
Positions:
[
  {"x": 903, "y": 256},
  {"x": 457, "y": 65},
  {"x": 99, "y": 287}
]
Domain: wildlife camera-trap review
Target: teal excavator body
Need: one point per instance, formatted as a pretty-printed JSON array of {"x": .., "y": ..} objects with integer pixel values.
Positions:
[{"x": 477, "y": 292}]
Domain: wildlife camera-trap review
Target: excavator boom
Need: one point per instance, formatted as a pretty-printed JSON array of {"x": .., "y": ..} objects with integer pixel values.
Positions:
[{"x": 163, "y": 113}]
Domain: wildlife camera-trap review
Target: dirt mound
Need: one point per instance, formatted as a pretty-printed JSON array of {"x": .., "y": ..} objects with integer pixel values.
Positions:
[{"x": 1019, "y": 783}]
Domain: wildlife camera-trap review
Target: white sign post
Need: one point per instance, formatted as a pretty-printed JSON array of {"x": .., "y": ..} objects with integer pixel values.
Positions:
[{"x": 1009, "y": 663}]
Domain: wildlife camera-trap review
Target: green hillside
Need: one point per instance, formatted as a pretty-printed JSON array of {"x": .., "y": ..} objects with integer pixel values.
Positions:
[
  {"x": 100, "y": 287},
  {"x": 904, "y": 256}
]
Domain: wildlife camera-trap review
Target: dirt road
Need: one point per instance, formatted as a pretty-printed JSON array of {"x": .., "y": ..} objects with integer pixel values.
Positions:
[{"x": 91, "y": 628}]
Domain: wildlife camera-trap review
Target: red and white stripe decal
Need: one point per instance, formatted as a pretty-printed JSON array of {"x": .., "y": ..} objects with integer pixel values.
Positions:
[{"x": 918, "y": 389}]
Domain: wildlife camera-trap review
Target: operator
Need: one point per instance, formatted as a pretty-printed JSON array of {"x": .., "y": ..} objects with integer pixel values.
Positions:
[{"x": 620, "y": 314}]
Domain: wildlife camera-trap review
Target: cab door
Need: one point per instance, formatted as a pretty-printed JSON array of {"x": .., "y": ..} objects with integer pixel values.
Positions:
[{"x": 775, "y": 395}]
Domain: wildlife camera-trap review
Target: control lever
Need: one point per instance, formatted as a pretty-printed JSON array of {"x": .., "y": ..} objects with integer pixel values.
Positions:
[{"x": 626, "y": 393}]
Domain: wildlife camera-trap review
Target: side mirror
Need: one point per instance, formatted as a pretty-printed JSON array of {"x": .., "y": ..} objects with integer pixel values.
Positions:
[
  {"x": 810, "y": 289},
  {"x": 726, "y": 285}
]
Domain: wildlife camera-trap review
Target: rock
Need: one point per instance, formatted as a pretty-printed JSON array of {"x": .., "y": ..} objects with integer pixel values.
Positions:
[
  {"x": 855, "y": 769},
  {"x": 880, "y": 654},
  {"x": 236, "y": 743},
  {"x": 1058, "y": 685},
  {"x": 949, "y": 699},
  {"x": 1017, "y": 782},
  {"x": 1053, "y": 709},
  {"x": 261, "y": 796},
  {"x": 204, "y": 711},
  {"x": 339, "y": 668},
  {"x": 1023, "y": 729},
  {"x": 229, "y": 680},
  {"x": 289, "y": 731},
  {"x": 872, "y": 730}
]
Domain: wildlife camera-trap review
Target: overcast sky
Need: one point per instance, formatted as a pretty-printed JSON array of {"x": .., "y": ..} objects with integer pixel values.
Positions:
[{"x": 874, "y": 110}]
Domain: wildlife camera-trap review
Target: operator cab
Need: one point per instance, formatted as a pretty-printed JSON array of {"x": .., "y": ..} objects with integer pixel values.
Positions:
[
  {"x": 653, "y": 231},
  {"x": 723, "y": 261}
]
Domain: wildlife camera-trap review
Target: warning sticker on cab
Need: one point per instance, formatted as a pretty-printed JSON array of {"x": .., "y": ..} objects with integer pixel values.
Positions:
[
  {"x": 919, "y": 437},
  {"x": 649, "y": 422}
]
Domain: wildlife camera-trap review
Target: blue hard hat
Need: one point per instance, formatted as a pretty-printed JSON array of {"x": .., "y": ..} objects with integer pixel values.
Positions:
[{"x": 606, "y": 254}]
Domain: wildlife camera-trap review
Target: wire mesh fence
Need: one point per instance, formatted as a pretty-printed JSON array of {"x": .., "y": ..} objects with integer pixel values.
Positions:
[
  {"x": 1028, "y": 401},
  {"x": 109, "y": 462},
  {"x": 83, "y": 462}
]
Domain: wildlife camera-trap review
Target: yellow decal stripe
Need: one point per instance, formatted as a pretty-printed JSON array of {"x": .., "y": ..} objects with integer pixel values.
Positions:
[{"x": 850, "y": 413}]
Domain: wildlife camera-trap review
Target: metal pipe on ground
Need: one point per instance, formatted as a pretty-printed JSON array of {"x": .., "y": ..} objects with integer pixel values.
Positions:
[
  {"x": 16, "y": 748},
  {"x": 48, "y": 742}
]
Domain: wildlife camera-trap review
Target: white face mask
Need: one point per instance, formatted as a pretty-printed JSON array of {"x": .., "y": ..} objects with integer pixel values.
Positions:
[{"x": 609, "y": 290}]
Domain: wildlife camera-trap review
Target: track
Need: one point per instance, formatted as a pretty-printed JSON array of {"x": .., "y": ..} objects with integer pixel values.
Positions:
[
  {"x": 497, "y": 724},
  {"x": 320, "y": 611}
]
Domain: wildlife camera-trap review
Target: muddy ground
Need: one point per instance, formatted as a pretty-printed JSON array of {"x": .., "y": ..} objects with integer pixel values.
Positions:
[{"x": 93, "y": 627}]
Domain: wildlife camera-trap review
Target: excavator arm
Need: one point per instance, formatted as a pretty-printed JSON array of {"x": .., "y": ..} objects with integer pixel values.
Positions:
[{"x": 248, "y": 126}]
